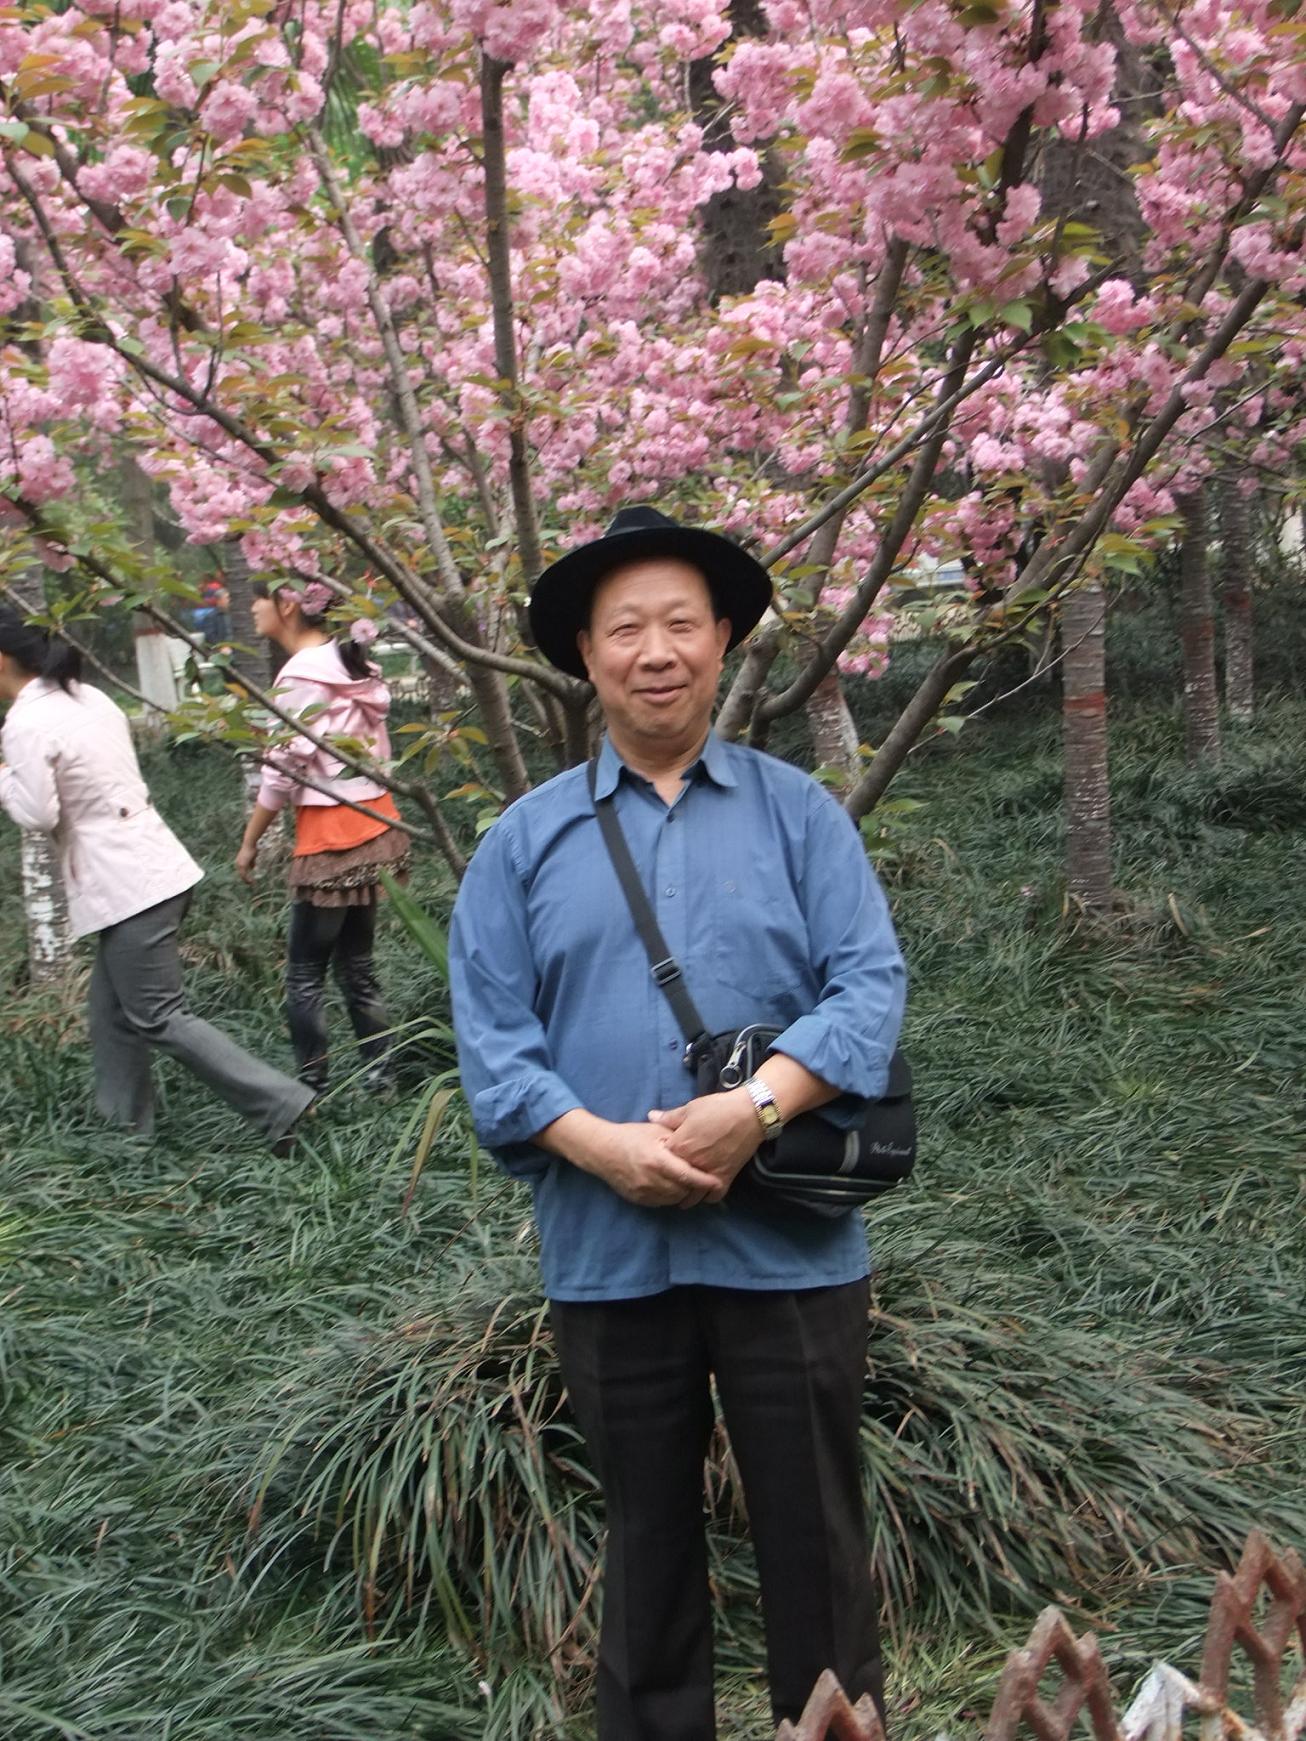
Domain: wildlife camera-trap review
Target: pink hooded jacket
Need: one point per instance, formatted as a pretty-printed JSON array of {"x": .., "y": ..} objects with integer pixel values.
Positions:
[{"x": 314, "y": 685}]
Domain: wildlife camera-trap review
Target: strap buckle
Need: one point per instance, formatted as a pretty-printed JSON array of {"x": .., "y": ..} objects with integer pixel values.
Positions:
[
  {"x": 696, "y": 1050},
  {"x": 665, "y": 972}
]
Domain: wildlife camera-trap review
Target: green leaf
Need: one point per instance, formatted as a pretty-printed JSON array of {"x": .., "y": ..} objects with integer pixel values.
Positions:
[
  {"x": 420, "y": 926},
  {"x": 1017, "y": 314},
  {"x": 862, "y": 142},
  {"x": 1060, "y": 351},
  {"x": 430, "y": 1130}
]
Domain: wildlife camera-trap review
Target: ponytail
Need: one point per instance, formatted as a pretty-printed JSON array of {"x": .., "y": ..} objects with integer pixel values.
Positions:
[
  {"x": 355, "y": 660},
  {"x": 63, "y": 664},
  {"x": 39, "y": 654}
]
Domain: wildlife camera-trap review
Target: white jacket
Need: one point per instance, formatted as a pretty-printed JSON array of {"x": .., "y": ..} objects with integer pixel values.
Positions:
[{"x": 71, "y": 771}]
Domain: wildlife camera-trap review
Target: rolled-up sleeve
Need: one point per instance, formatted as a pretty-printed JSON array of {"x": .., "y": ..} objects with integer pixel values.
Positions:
[
  {"x": 29, "y": 791},
  {"x": 849, "y": 1037},
  {"x": 503, "y": 1052}
]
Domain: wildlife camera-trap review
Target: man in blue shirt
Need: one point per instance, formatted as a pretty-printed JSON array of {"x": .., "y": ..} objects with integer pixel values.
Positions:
[{"x": 660, "y": 1277}]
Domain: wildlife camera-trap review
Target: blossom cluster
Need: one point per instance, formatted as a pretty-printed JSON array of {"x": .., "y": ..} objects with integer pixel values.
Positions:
[{"x": 200, "y": 289}]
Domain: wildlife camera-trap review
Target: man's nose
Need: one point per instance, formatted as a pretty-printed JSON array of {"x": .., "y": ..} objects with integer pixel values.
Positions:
[{"x": 656, "y": 648}]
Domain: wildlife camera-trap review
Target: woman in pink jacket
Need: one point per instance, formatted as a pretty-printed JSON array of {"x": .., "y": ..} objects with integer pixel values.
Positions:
[
  {"x": 339, "y": 854},
  {"x": 70, "y": 770}
]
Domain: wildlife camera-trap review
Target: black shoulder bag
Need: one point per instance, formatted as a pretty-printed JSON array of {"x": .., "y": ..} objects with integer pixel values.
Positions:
[{"x": 811, "y": 1164}]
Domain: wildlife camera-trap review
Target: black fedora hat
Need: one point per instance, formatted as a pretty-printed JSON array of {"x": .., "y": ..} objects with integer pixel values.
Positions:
[{"x": 560, "y": 600}]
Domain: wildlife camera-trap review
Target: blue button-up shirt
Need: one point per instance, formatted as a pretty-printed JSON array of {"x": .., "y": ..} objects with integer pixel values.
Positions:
[{"x": 762, "y": 889}]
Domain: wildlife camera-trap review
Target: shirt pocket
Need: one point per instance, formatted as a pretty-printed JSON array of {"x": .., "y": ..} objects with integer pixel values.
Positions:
[{"x": 759, "y": 948}]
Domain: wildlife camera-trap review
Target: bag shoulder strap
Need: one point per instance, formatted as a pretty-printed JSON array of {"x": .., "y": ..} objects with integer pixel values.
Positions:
[{"x": 667, "y": 976}]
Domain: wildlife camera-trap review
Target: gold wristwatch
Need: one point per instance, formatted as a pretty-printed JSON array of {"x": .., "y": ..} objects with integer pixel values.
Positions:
[{"x": 768, "y": 1113}]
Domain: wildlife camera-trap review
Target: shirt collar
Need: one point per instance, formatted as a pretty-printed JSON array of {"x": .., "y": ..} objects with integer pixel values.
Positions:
[{"x": 714, "y": 761}]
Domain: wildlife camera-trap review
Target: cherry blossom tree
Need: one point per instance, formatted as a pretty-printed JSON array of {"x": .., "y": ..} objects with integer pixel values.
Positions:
[
  {"x": 410, "y": 296},
  {"x": 1236, "y": 564}
]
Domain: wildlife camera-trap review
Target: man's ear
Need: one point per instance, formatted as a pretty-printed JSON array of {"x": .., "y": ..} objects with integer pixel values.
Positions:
[
  {"x": 583, "y": 645},
  {"x": 724, "y": 630}
]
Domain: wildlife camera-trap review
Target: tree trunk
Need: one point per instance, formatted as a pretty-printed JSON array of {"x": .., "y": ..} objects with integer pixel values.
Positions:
[
  {"x": 1084, "y": 742},
  {"x": 235, "y": 577},
  {"x": 49, "y": 940},
  {"x": 240, "y": 609},
  {"x": 156, "y": 671},
  {"x": 835, "y": 743},
  {"x": 1197, "y": 627},
  {"x": 1235, "y": 543},
  {"x": 45, "y": 905},
  {"x": 736, "y": 251}
]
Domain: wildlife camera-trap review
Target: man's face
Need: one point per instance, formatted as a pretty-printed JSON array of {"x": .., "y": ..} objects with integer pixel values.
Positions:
[{"x": 653, "y": 651}]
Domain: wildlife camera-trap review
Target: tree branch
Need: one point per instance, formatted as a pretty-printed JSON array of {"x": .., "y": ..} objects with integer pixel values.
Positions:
[
  {"x": 1055, "y": 563},
  {"x": 368, "y": 769},
  {"x": 488, "y": 686},
  {"x": 895, "y": 536},
  {"x": 404, "y": 579},
  {"x": 866, "y": 366},
  {"x": 499, "y": 253},
  {"x": 95, "y": 663},
  {"x": 901, "y": 448}
]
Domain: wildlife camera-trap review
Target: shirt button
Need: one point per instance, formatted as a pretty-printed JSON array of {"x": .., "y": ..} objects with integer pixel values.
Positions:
[
  {"x": 673, "y": 1045},
  {"x": 668, "y": 890}
]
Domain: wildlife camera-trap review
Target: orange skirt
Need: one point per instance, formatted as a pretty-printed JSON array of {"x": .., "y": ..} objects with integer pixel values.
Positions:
[
  {"x": 347, "y": 875},
  {"x": 335, "y": 827}
]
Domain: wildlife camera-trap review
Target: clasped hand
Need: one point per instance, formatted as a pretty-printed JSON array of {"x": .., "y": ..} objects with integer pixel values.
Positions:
[
  {"x": 682, "y": 1156},
  {"x": 716, "y": 1135}
]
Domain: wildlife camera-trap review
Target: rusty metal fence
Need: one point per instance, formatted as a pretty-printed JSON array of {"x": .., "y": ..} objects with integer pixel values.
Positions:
[{"x": 1259, "y": 1611}]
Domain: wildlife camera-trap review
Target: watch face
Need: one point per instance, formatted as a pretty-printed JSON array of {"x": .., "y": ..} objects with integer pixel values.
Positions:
[{"x": 767, "y": 1111}]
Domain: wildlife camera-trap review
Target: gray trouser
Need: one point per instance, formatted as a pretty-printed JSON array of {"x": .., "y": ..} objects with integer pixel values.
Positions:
[{"x": 136, "y": 1001}]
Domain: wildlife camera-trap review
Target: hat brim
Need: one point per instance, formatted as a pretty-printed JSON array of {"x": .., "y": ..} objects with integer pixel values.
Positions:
[{"x": 560, "y": 601}]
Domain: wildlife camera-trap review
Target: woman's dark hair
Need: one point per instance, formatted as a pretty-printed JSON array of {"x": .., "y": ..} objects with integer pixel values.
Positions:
[
  {"x": 353, "y": 657},
  {"x": 42, "y": 654},
  {"x": 355, "y": 660}
]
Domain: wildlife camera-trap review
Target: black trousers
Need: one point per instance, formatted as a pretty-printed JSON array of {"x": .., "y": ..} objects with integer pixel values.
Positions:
[
  {"x": 790, "y": 1370},
  {"x": 342, "y": 938}
]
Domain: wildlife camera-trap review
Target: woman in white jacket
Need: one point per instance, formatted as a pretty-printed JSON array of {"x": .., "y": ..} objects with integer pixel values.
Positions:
[
  {"x": 339, "y": 853},
  {"x": 70, "y": 770}
]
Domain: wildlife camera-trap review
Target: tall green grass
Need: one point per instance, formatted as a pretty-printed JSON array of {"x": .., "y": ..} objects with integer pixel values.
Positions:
[{"x": 282, "y": 1446}]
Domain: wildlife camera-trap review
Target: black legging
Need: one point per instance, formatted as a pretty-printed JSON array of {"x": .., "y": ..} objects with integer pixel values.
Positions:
[{"x": 319, "y": 937}]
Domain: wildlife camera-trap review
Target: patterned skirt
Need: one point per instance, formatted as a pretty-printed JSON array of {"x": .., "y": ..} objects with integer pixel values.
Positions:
[{"x": 352, "y": 877}]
